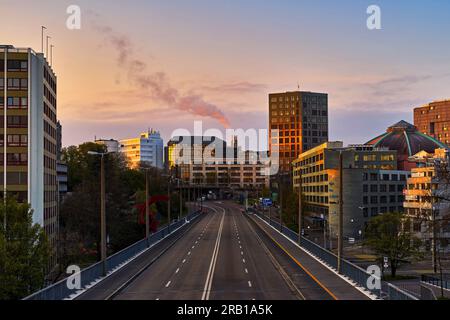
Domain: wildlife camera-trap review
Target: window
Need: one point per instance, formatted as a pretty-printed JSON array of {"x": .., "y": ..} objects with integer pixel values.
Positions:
[
  {"x": 17, "y": 121},
  {"x": 370, "y": 157},
  {"x": 374, "y": 188},
  {"x": 383, "y": 188},
  {"x": 17, "y": 140},
  {"x": 17, "y": 159},
  {"x": 387, "y": 157},
  {"x": 17, "y": 65},
  {"x": 2, "y": 83},
  {"x": 17, "y": 103},
  {"x": 374, "y": 200}
]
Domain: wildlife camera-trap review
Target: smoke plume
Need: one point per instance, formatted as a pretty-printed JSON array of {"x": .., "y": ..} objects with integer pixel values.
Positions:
[{"x": 157, "y": 83}]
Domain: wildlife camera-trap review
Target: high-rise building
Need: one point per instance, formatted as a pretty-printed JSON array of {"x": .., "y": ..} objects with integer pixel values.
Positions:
[
  {"x": 372, "y": 185},
  {"x": 147, "y": 148},
  {"x": 301, "y": 119},
  {"x": 433, "y": 119},
  {"x": 112, "y": 145},
  {"x": 28, "y": 141}
]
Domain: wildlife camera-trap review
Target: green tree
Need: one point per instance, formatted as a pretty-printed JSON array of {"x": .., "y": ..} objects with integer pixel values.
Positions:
[
  {"x": 24, "y": 252},
  {"x": 388, "y": 235}
]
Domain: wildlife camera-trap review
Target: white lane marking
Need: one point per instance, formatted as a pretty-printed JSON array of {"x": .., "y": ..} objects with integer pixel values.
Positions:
[
  {"x": 168, "y": 284},
  {"x": 242, "y": 253},
  {"x": 212, "y": 266},
  {"x": 184, "y": 261},
  {"x": 193, "y": 247},
  {"x": 178, "y": 270},
  {"x": 157, "y": 298},
  {"x": 189, "y": 253},
  {"x": 243, "y": 260},
  {"x": 250, "y": 284},
  {"x": 246, "y": 270}
]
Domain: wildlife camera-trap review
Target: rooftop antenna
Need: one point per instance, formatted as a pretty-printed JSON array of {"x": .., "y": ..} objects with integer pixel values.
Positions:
[
  {"x": 298, "y": 85},
  {"x": 46, "y": 52},
  {"x": 42, "y": 38},
  {"x": 51, "y": 55}
]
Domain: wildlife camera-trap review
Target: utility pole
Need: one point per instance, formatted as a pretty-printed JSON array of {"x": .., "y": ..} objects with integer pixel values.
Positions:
[
  {"x": 341, "y": 212},
  {"x": 147, "y": 207}
]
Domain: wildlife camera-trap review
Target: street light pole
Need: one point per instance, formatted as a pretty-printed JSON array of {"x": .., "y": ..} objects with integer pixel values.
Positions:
[
  {"x": 281, "y": 203},
  {"x": 181, "y": 199},
  {"x": 103, "y": 215},
  {"x": 103, "y": 252},
  {"x": 300, "y": 213},
  {"x": 147, "y": 207},
  {"x": 341, "y": 212},
  {"x": 168, "y": 203}
]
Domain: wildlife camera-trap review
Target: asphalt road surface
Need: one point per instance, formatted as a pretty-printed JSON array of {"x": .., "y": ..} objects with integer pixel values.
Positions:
[{"x": 224, "y": 255}]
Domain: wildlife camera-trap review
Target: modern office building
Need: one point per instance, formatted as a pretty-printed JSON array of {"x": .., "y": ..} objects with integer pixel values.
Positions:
[
  {"x": 147, "y": 148},
  {"x": 301, "y": 119},
  {"x": 112, "y": 146},
  {"x": 427, "y": 199},
  {"x": 407, "y": 141},
  {"x": 433, "y": 119},
  {"x": 372, "y": 185},
  {"x": 193, "y": 150},
  {"x": 28, "y": 150}
]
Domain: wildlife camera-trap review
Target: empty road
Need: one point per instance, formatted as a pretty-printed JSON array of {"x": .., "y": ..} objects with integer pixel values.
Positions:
[{"x": 224, "y": 255}]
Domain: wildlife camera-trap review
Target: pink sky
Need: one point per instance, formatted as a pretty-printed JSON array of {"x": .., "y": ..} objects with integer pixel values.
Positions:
[{"x": 188, "y": 62}]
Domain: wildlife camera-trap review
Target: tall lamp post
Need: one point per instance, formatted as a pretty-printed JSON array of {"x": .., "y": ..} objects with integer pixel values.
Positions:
[
  {"x": 147, "y": 207},
  {"x": 102, "y": 208}
]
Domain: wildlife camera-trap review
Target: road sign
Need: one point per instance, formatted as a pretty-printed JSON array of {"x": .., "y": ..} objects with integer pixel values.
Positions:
[{"x": 266, "y": 202}]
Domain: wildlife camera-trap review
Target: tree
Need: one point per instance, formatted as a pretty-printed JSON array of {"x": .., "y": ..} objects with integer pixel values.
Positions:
[
  {"x": 388, "y": 235},
  {"x": 24, "y": 252}
]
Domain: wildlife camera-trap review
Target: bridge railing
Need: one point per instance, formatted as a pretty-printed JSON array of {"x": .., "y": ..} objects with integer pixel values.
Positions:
[
  {"x": 89, "y": 275},
  {"x": 436, "y": 281},
  {"x": 350, "y": 270}
]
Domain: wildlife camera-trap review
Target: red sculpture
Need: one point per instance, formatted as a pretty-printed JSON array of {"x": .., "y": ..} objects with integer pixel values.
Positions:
[{"x": 153, "y": 222}]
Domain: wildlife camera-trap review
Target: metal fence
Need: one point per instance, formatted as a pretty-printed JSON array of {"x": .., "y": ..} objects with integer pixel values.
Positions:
[
  {"x": 436, "y": 280},
  {"x": 93, "y": 273},
  {"x": 360, "y": 276}
]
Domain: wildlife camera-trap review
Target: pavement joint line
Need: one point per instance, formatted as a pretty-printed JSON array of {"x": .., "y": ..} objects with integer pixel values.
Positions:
[{"x": 212, "y": 266}]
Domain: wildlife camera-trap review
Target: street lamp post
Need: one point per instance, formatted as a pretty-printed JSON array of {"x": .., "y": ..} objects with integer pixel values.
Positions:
[
  {"x": 147, "y": 207},
  {"x": 102, "y": 209},
  {"x": 341, "y": 212}
]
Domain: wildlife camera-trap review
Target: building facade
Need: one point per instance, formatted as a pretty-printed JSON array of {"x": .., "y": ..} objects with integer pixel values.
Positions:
[
  {"x": 147, "y": 148},
  {"x": 112, "y": 146},
  {"x": 28, "y": 107},
  {"x": 372, "y": 185},
  {"x": 301, "y": 120},
  {"x": 433, "y": 119},
  {"x": 427, "y": 199}
]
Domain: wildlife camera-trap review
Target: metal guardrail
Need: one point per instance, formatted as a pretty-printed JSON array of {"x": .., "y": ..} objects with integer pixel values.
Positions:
[
  {"x": 60, "y": 290},
  {"x": 436, "y": 281},
  {"x": 360, "y": 276}
]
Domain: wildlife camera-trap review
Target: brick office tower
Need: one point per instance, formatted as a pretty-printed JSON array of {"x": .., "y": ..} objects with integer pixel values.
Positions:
[
  {"x": 302, "y": 121},
  {"x": 28, "y": 141},
  {"x": 433, "y": 119}
]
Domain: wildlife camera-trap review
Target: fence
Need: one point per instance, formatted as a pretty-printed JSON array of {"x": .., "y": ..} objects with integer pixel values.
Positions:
[
  {"x": 436, "y": 281},
  {"x": 60, "y": 290},
  {"x": 348, "y": 269}
]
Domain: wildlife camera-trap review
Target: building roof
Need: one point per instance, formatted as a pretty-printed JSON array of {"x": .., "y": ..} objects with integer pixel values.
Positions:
[{"x": 406, "y": 139}]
